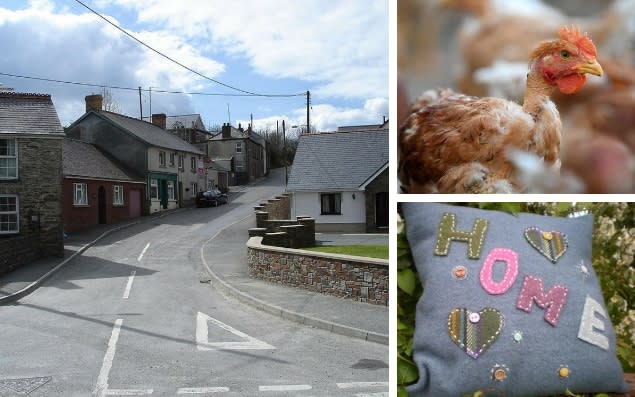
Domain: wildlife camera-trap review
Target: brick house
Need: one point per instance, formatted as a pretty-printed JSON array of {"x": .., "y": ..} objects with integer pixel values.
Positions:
[
  {"x": 172, "y": 168},
  {"x": 96, "y": 189},
  {"x": 341, "y": 180},
  {"x": 246, "y": 149},
  {"x": 30, "y": 179}
]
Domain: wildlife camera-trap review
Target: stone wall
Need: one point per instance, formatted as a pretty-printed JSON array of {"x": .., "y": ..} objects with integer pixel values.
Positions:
[
  {"x": 357, "y": 278},
  {"x": 39, "y": 191},
  {"x": 284, "y": 232}
]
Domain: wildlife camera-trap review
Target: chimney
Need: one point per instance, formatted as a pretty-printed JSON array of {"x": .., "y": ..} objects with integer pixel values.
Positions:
[
  {"x": 159, "y": 119},
  {"x": 227, "y": 131},
  {"x": 240, "y": 128},
  {"x": 94, "y": 102}
]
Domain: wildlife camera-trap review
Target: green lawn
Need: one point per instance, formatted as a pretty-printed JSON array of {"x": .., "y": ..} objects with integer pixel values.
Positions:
[{"x": 369, "y": 251}]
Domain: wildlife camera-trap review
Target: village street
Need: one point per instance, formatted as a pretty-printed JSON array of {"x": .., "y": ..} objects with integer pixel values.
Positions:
[{"x": 133, "y": 315}]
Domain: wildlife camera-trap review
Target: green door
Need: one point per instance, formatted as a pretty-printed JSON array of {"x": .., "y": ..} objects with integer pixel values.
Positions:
[{"x": 163, "y": 193}]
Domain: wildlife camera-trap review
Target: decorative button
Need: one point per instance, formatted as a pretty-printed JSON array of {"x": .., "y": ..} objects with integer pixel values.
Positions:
[
  {"x": 547, "y": 235},
  {"x": 518, "y": 336},
  {"x": 500, "y": 375},
  {"x": 474, "y": 317},
  {"x": 460, "y": 272},
  {"x": 563, "y": 372}
]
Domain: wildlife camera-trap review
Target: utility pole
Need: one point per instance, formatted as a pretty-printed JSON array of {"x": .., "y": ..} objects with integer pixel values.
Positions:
[
  {"x": 308, "y": 101},
  {"x": 150, "y": 104},
  {"x": 284, "y": 155},
  {"x": 229, "y": 116},
  {"x": 140, "y": 107}
]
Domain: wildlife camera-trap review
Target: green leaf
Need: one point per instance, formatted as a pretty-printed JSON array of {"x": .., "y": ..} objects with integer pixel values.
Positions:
[
  {"x": 401, "y": 391},
  {"x": 407, "y": 280},
  {"x": 404, "y": 261},
  {"x": 407, "y": 372},
  {"x": 563, "y": 208},
  {"x": 401, "y": 326}
]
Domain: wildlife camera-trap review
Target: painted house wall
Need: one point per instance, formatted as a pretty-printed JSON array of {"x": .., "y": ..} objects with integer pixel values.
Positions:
[
  {"x": 39, "y": 191},
  {"x": 352, "y": 219},
  {"x": 78, "y": 217}
]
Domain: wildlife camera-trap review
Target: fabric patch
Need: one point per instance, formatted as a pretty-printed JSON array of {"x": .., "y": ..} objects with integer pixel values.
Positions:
[
  {"x": 590, "y": 323},
  {"x": 475, "y": 332},
  {"x": 553, "y": 300},
  {"x": 447, "y": 232},
  {"x": 511, "y": 271},
  {"x": 551, "y": 244}
]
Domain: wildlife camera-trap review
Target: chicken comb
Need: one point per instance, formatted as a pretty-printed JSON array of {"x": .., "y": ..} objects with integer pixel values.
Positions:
[{"x": 582, "y": 41}]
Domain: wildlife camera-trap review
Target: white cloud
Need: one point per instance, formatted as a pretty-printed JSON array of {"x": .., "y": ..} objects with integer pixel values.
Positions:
[{"x": 342, "y": 47}]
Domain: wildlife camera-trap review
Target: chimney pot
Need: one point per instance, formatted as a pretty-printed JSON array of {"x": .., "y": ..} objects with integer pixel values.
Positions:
[
  {"x": 159, "y": 119},
  {"x": 94, "y": 102}
]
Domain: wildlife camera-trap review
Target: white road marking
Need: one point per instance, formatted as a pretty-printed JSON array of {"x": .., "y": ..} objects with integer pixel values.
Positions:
[
  {"x": 284, "y": 388},
  {"x": 126, "y": 293},
  {"x": 202, "y": 390},
  {"x": 102, "y": 381},
  {"x": 202, "y": 332},
  {"x": 143, "y": 252},
  {"x": 356, "y": 385},
  {"x": 383, "y": 394},
  {"x": 128, "y": 392}
]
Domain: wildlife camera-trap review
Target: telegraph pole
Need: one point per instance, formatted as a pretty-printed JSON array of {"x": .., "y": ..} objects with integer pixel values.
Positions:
[
  {"x": 140, "y": 107},
  {"x": 284, "y": 156},
  {"x": 308, "y": 101}
]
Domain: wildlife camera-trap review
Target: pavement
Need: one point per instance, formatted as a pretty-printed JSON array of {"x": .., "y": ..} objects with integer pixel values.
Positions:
[{"x": 224, "y": 258}]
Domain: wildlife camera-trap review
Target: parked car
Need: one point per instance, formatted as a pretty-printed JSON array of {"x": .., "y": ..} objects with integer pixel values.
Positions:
[{"x": 210, "y": 198}]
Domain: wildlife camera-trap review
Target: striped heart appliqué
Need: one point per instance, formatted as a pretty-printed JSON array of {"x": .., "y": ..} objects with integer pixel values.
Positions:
[
  {"x": 551, "y": 244},
  {"x": 475, "y": 332}
]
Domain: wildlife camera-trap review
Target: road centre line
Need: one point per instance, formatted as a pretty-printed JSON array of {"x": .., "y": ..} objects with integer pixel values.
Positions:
[
  {"x": 355, "y": 385},
  {"x": 102, "y": 381},
  {"x": 202, "y": 390},
  {"x": 143, "y": 252},
  {"x": 128, "y": 392},
  {"x": 126, "y": 293},
  {"x": 284, "y": 388}
]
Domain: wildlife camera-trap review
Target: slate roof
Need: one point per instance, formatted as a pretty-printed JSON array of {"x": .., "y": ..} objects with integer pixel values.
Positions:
[
  {"x": 146, "y": 132},
  {"x": 187, "y": 121},
  {"x": 216, "y": 166},
  {"x": 28, "y": 113},
  {"x": 81, "y": 159},
  {"x": 338, "y": 160}
]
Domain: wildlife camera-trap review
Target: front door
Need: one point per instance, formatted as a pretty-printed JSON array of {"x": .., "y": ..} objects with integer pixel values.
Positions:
[
  {"x": 163, "y": 193},
  {"x": 134, "y": 203},
  {"x": 101, "y": 204},
  {"x": 381, "y": 209}
]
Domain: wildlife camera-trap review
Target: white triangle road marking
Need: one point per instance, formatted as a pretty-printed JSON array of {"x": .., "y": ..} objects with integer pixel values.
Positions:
[{"x": 202, "y": 342}]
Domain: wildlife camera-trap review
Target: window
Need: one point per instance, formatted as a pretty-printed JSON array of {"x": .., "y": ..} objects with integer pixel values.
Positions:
[
  {"x": 239, "y": 168},
  {"x": 194, "y": 189},
  {"x": 331, "y": 203},
  {"x": 81, "y": 194},
  {"x": 9, "y": 214},
  {"x": 239, "y": 147},
  {"x": 171, "y": 159},
  {"x": 117, "y": 195},
  {"x": 193, "y": 163},
  {"x": 154, "y": 189},
  {"x": 162, "y": 159},
  {"x": 8, "y": 159},
  {"x": 181, "y": 162},
  {"x": 171, "y": 190}
]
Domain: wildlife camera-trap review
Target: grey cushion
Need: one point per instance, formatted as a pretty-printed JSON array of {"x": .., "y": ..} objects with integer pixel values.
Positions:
[{"x": 506, "y": 308}]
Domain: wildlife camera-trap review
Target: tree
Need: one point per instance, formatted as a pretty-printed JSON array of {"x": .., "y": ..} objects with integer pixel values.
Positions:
[{"x": 109, "y": 103}]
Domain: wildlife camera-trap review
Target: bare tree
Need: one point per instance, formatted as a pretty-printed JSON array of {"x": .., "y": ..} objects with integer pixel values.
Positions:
[{"x": 109, "y": 103}]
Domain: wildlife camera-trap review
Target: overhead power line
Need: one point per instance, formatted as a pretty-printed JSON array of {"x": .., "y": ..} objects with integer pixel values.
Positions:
[
  {"x": 248, "y": 93},
  {"x": 154, "y": 89}
]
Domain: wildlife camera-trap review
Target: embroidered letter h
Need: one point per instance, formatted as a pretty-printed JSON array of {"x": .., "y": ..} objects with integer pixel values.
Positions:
[{"x": 448, "y": 232}]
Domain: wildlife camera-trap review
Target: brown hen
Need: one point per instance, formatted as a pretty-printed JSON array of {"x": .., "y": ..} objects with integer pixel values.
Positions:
[{"x": 453, "y": 143}]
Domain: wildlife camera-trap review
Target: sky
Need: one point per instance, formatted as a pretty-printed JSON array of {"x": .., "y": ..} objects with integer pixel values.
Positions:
[{"x": 337, "y": 50}]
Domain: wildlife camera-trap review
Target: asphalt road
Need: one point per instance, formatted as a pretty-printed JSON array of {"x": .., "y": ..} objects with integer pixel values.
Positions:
[{"x": 131, "y": 317}]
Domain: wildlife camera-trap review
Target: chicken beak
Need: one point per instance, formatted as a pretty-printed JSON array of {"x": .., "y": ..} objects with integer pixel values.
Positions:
[{"x": 591, "y": 67}]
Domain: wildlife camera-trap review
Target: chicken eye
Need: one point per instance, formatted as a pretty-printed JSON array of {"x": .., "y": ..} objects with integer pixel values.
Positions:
[{"x": 565, "y": 54}]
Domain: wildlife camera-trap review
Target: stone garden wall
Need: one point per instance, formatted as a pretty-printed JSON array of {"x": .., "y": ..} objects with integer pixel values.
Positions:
[{"x": 357, "y": 278}]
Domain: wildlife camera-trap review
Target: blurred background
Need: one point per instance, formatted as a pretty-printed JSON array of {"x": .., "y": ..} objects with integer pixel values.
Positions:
[{"x": 481, "y": 47}]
